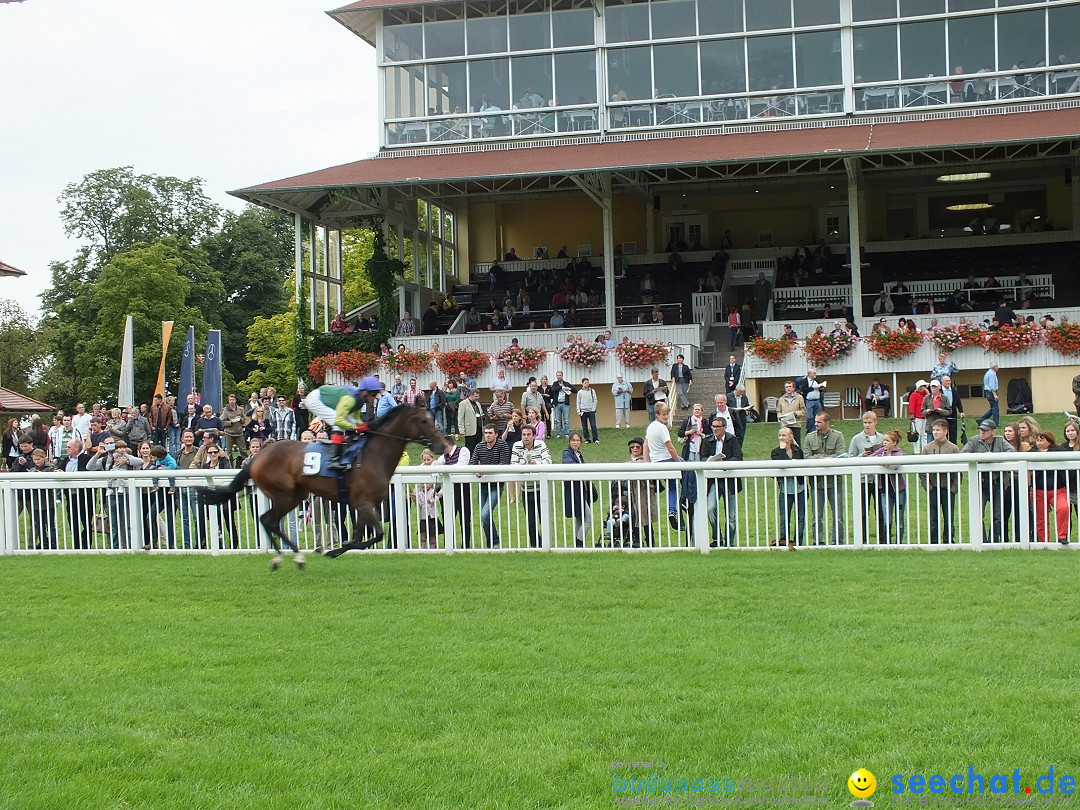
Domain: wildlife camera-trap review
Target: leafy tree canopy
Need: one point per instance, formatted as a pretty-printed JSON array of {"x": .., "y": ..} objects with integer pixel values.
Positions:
[{"x": 21, "y": 354}]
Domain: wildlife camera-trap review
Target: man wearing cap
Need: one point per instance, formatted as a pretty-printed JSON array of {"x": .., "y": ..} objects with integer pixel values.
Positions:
[
  {"x": 915, "y": 410},
  {"x": 990, "y": 390},
  {"x": 339, "y": 406},
  {"x": 995, "y": 484}
]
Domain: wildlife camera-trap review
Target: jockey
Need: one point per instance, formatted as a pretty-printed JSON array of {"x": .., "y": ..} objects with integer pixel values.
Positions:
[{"x": 339, "y": 406}]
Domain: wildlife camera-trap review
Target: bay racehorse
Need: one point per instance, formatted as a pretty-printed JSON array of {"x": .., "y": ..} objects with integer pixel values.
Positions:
[{"x": 279, "y": 472}]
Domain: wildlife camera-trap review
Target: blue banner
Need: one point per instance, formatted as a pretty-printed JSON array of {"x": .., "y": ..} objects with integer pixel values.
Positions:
[
  {"x": 187, "y": 373},
  {"x": 211, "y": 373}
]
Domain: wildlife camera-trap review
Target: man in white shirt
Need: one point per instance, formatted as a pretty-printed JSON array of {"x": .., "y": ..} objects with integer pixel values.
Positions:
[
  {"x": 659, "y": 449},
  {"x": 530, "y": 451},
  {"x": 60, "y": 435},
  {"x": 80, "y": 421}
]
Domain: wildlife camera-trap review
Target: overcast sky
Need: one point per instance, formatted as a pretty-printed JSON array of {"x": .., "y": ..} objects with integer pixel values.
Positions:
[{"x": 236, "y": 92}]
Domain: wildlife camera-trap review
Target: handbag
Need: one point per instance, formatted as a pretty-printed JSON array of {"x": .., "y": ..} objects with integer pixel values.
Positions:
[{"x": 912, "y": 434}]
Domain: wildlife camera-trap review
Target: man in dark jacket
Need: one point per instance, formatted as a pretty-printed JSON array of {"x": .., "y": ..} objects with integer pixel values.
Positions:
[
  {"x": 436, "y": 405},
  {"x": 80, "y": 502},
  {"x": 722, "y": 443},
  {"x": 996, "y": 485}
]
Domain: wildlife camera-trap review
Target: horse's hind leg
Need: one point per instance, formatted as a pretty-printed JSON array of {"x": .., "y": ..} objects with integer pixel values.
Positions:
[
  {"x": 271, "y": 521},
  {"x": 367, "y": 516}
]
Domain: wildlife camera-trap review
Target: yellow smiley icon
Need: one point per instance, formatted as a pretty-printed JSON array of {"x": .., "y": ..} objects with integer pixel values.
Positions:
[{"x": 862, "y": 784}]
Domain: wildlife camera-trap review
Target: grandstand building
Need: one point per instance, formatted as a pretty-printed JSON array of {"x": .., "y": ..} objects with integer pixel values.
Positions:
[{"x": 929, "y": 139}]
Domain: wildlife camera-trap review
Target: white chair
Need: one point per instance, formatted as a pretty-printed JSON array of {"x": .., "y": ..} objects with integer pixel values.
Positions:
[
  {"x": 771, "y": 407},
  {"x": 852, "y": 399},
  {"x": 832, "y": 400}
]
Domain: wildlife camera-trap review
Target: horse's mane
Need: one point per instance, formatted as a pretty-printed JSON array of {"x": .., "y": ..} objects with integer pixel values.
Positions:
[{"x": 386, "y": 418}]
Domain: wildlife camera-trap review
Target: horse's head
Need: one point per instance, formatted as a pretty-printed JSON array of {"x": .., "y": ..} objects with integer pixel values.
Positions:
[{"x": 418, "y": 426}]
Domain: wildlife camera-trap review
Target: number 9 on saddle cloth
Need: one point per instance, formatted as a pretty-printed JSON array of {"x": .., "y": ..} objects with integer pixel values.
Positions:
[{"x": 319, "y": 455}]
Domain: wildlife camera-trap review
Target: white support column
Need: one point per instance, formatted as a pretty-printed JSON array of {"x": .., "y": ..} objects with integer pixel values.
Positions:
[
  {"x": 1075, "y": 188},
  {"x": 326, "y": 282},
  {"x": 339, "y": 271},
  {"x": 298, "y": 258},
  {"x": 650, "y": 226},
  {"x": 312, "y": 289},
  {"x": 609, "y": 253},
  {"x": 847, "y": 56},
  {"x": 854, "y": 237}
]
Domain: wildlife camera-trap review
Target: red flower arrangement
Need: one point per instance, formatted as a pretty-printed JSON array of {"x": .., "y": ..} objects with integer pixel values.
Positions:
[
  {"x": 1014, "y": 339},
  {"x": 773, "y": 350},
  {"x": 641, "y": 353},
  {"x": 1064, "y": 338},
  {"x": 821, "y": 349},
  {"x": 404, "y": 361},
  {"x": 521, "y": 358},
  {"x": 472, "y": 362},
  {"x": 895, "y": 345},
  {"x": 578, "y": 352},
  {"x": 352, "y": 365}
]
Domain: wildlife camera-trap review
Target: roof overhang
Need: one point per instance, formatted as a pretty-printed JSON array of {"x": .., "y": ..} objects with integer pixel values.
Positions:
[
  {"x": 362, "y": 17},
  {"x": 335, "y": 194},
  {"x": 8, "y": 270}
]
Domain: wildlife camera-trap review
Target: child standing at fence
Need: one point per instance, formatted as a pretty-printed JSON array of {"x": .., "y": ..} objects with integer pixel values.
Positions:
[{"x": 427, "y": 506}]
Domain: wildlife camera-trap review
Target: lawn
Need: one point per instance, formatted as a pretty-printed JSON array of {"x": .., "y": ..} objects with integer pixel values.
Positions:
[{"x": 516, "y": 681}]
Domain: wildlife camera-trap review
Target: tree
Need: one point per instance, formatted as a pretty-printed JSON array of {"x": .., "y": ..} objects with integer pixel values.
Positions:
[
  {"x": 114, "y": 209},
  {"x": 253, "y": 252},
  {"x": 68, "y": 304},
  {"x": 21, "y": 352},
  {"x": 272, "y": 350},
  {"x": 146, "y": 282},
  {"x": 356, "y": 250}
]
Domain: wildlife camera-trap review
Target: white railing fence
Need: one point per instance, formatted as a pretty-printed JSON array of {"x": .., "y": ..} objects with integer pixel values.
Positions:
[{"x": 963, "y": 500}]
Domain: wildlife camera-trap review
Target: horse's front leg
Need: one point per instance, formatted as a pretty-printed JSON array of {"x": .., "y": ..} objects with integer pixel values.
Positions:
[{"x": 367, "y": 516}]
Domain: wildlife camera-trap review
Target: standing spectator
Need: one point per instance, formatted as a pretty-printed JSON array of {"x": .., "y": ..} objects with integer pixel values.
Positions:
[
  {"x": 739, "y": 405},
  {"x": 892, "y": 492},
  {"x": 412, "y": 393},
  {"x": 734, "y": 327},
  {"x": 718, "y": 447},
  {"x": 877, "y": 396},
  {"x": 490, "y": 452},
  {"x": 586, "y": 409},
  {"x": 578, "y": 496},
  {"x": 300, "y": 407},
  {"x": 655, "y": 391},
  {"x": 762, "y": 297},
  {"x": 435, "y": 404},
  {"x": 692, "y": 432},
  {"x": 546, "y": 412},
  {"x": 996, "y": 485},
  {"x": 113, "y": 454},
  {"x": 622, "y": 391},
  {"x": 206, "y": 422},
  {"x": 186, "y": 458},
  {"x": 232, "y": 418},
  {"x": 80, "y": 420},
  {"x": 159, "y": 420},
  {"x": 642, "y": 498},
  {"x": 956, "y": 406},
  {"x": 259, "y": 427},
  {"x": 659, "y": 449},
  {"x": 681, "y": 380},
  {"x": 532, "y": 398},
  {"x": 790, "y": 491},
  {"x": 732, "y": 374},
  {"x": 456, "y": 456},
  {"x": 426, "y": 497},
  {"x": 173, "y": 428},
  {"x": 814, "y": 391},
  {"x": 79, "y": 502},
  {"x": 1049, "y": 492},
  {"x": 501, "y": 384},
  {"x": 944, "y": 368},
  {"x": 863, "y": 445},
  {"x": 138, "y": 428},
  {"x": 406, "y": 326},
  {"x": 284, "y": 421},
  {"x": 43, "y": 502},
  {"x": 511, "y": 434},
  {"x": 941, "y": 488},
  {"x": 791, "y": 410},
  {"x": 11, "y": 442},
  {"x": 990, "y": 391},
  {"x": 530, "y": 451},
  {"x": 215, "y": 459},
  {"x": 469, "y": 420},
  {"x": 499, "y": 412},
  {"x": 915, "y": 411},
  {"x": 825, "y": 442},
  {"x": 561, "y": 392},
  {"x": 60, "y": 435},
  {"x": 722, "y": 411},
  {"x": 162, "y": 499}
]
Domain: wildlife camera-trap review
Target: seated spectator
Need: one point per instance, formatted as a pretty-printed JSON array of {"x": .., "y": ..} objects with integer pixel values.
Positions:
[
  {"x": 877, "y": 396},
  {"x": 339, "y": 324},
  {"x": 557, "y": 320}
]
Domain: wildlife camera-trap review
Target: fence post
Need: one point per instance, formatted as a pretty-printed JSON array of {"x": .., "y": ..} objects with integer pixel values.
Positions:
[
  {"x": 401, "y": 514},
  {"x": 701, "y": 511},
  {"x": 262, "y": 506},
  {"x": 9, "y": 518},
  {"x": 450, "y": 507},
  {"x": 858, "y": 518},
  {"x": 975, "y": 506},
  {"x": 1023, "y": 499},
  {"x": 134, "y": 514},
  {"x": 545, "y": 513}
]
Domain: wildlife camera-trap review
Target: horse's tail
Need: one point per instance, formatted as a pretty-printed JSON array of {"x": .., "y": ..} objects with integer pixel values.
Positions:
[{"x": 215, "y": 496}]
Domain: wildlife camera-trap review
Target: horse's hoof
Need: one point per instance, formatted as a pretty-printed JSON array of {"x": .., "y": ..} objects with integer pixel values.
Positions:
[
  {"x": 275, "y": 563},
  {"x": 299, "y": 560},
  {"x": 320, "y": 550}
]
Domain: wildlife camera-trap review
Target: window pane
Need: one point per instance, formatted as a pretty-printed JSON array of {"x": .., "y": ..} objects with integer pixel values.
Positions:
[
  {"x": 1023, "y": 42},
  {"x": 969, "y": 5},
  {"x": 720, "y": 16},
  {"x": 1065, "y": 35},
  {"x": 489, "y": 83},
  {"x": 627, "y": 23},
  {"x": 575, "y": 78},
  {"x": 875, "y": 54},
  {"x": 630, "y": 72},
  {"x": 572, "y": 28},
  {"x": 769, "y": 59},
  {"x": 532, "y": 85},
  {"x": 446, "y": 88},
  {"x": 404, "y": 91},
  {"x": 917, "y": 8},
  {"x": 723, "y": 64},
  {"x": 762, "y": 15},
  {"x": 486, "y": 34},
  {"x": 402, "y": 42},
  {"x": 530, "y": 32},
  {"x": 817, "y": 57},
  {"x": 817, "y": 12},
  {"x": 676, "y": 69},
  {"x": 674, "y": 18},
  {"x": 445, "y": 38},
  {"x": 873, "y": 9},
  {"x": 922, "y": 49},
  {"x": 971, "y": 44}
]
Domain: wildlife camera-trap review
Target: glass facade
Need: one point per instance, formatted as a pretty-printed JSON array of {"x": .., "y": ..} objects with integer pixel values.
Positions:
[{"x": 460, "y": 71}]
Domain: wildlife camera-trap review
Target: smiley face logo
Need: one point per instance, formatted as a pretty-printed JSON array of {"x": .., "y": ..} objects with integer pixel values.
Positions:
[{"x": 862, "y": 784}]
